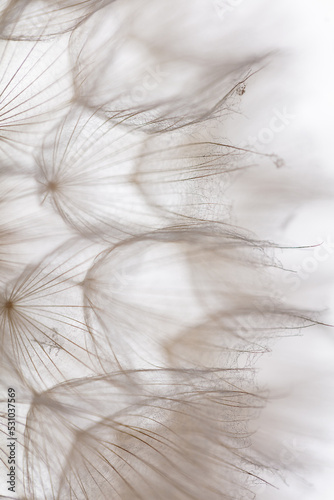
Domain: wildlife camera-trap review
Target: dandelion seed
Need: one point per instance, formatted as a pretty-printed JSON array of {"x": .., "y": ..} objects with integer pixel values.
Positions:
[
  {"x": 35, "y": 88},
  {"x": 42, "y": 318},
  {"x": 36, "y": 20},
  {"x": 158, "y": 77},
  {"x": 121, "y": 435}
]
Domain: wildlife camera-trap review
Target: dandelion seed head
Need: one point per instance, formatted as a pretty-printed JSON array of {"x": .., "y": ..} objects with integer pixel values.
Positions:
[{"x": 136, "y": 335}]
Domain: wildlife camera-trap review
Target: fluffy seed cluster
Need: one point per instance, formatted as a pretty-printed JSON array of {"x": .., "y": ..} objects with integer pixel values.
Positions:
[{"x": 133, "y": 305}]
